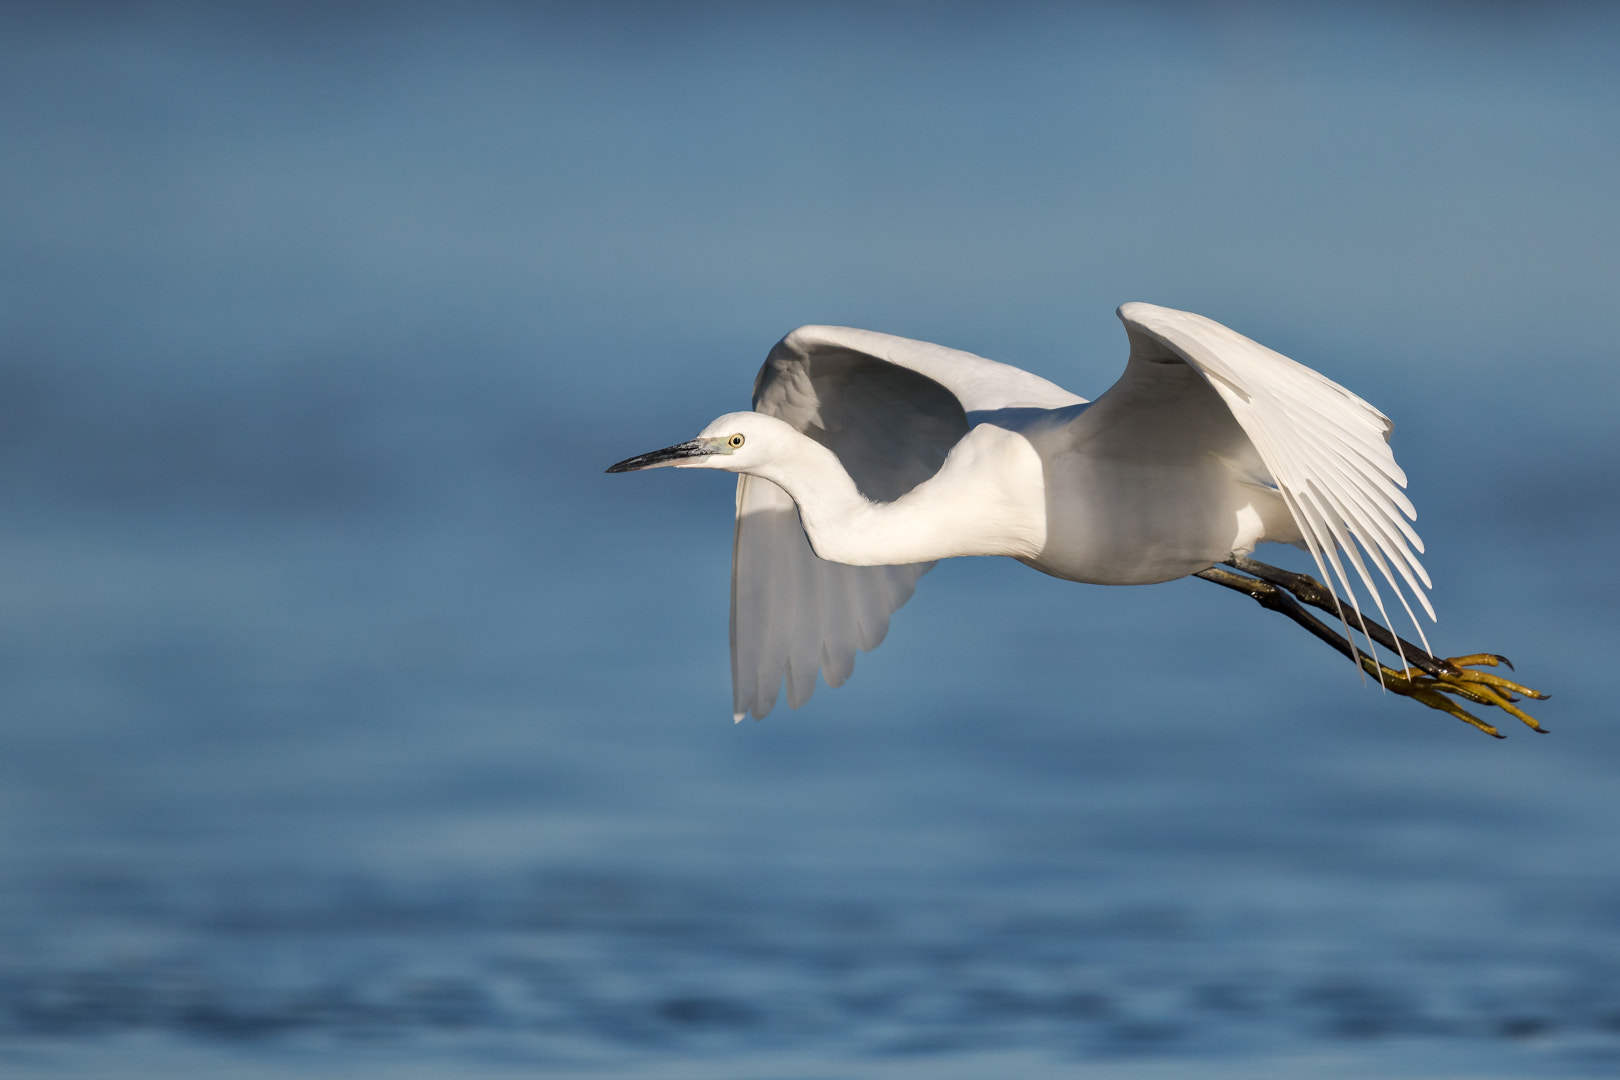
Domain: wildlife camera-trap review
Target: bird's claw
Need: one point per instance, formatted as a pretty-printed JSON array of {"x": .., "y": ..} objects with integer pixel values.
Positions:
[
  {"x": 1484, "y": 659},
  {"x": 1454, "y": 676}
]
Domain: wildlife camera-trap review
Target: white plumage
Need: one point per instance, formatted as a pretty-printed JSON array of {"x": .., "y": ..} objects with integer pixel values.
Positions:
[{"x": 884, "y": 454}]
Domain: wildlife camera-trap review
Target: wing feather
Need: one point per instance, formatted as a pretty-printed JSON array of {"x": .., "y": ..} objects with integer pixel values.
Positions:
[
  {"x": 1326, "y": 448},
  {"x": 891, "y": 408}
]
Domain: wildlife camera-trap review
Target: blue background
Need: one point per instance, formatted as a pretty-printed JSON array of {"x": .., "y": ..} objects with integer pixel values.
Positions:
[{"x": 352, "y": 722}]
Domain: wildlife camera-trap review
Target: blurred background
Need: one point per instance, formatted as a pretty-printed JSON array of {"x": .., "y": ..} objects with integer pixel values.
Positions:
[{"x": 353, "y": 723}]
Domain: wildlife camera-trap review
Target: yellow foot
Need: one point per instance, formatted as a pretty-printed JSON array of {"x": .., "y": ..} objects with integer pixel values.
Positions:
[{"x": 1457, "y": 679}]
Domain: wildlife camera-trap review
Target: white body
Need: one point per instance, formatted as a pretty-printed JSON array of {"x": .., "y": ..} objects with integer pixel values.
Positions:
[{"x": 868, "y": 457}]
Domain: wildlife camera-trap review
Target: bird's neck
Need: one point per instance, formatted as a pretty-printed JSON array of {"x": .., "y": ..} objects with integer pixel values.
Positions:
[{"x": 988, "y": 498}]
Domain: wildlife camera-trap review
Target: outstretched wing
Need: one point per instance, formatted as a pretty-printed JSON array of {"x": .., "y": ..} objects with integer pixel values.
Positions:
[
  {"x": 1327, "y": 449},
  {"x": 891, "y": 409}
]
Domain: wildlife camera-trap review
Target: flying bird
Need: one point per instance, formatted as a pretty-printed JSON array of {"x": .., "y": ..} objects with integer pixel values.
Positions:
[{"x": 869, "y": 457}]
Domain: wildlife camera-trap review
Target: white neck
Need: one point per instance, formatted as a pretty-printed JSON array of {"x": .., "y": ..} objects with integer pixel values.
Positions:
[{"x": 987, "y": 499}]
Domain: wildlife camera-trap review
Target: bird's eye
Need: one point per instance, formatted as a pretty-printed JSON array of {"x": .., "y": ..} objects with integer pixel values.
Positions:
[{"x": 735, "y": 441}]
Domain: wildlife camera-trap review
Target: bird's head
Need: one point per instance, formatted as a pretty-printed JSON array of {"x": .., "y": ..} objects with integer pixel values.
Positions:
[{"x": 735, "y": 442}]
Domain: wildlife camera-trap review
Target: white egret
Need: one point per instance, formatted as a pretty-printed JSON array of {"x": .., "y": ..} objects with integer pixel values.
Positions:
[{"x": 868, "y": 457}]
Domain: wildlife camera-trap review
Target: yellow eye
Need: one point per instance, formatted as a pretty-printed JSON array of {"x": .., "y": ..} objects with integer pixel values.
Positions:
[{"x": 735, "y": 441}]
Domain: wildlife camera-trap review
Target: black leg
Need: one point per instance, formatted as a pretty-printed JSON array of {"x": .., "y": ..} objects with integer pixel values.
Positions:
[
  {"x": 1314, "y": 593},
  {"x": 1273, "y": 598}
]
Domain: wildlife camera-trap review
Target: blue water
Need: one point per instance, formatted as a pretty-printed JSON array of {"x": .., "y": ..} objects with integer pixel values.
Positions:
[{"x": 353, "y": 723}]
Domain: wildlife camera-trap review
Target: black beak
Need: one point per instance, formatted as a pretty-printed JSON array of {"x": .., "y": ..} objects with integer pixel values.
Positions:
[{"x": 669, "y": 455}]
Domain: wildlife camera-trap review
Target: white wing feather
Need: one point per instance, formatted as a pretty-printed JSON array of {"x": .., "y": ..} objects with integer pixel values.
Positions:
[
  {"x": 1326, "y": 448},
  {"x": 891, "y": 408}
]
